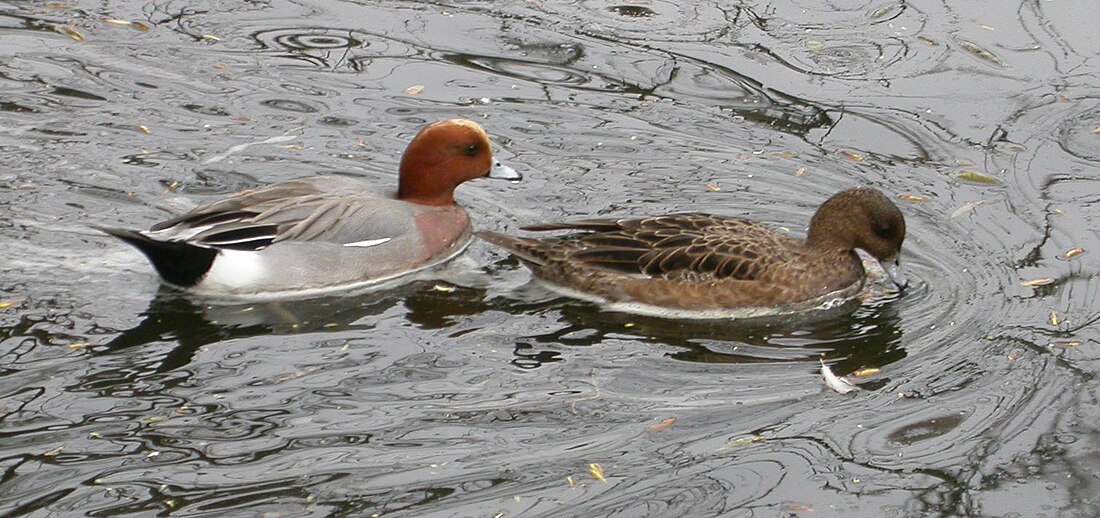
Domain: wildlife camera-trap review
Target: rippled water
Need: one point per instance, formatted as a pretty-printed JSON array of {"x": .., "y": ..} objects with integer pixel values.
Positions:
[{"x": 482, "y": 394}]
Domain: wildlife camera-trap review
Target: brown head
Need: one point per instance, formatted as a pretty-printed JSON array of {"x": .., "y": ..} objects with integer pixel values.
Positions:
[
  {"x": 861, "y": 218},
  {"x": 443, "y": 155}
]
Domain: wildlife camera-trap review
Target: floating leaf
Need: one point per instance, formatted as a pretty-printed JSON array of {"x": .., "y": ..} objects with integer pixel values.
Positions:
[
  {"x": 1054, "y": 318},
  {"x": 852, "y": 155},
  {"x": 967, "y": 208},
  {"x": 569, "y": 480},
  {"x": 70, "y": 32},
  {"x": 713, "y": 186},
  {"x": 5, "y": 304},
  {"x": 978, "y": 177},
  {"x": 153, "y": 455},
  {"x": 662, "y": 425},
  {"x": 116, "y": 21},
  {"x": 881, "y": 12},
  {"x": 79, "y": 345},
  {"x": 1072, "y": 252},
  {"x": 835, "y": 382},
  {"x": 211, "y": 37},
  {"x": 798, "y": 508},
  {"x": 801, "y": 171},
  {"x": 742, "y": 441},
  {"x": 980, "y": 52},
  {"x": 144, "y": 129},
  {"x": 912, "y": 197},
  {"x": 444, "y": 288},
  {"x": 54, "y": 452},
  {"x": 414, "y": 90},
  {"x": 927, "y": 41},
  {"x": 597, "y": 472},
  {"x": 869, "y": 371},
  {"x": 1065, "y": 343},
  {"x": 140, "y": 26},
  {"x": 1041, "y": 281},
  {"x": 814, "y": 46}
]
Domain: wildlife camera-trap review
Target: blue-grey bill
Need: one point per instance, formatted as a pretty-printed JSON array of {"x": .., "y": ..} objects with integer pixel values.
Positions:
[
  {"x": 893, "y": 270},
  {"x": 503, "y": 172}
]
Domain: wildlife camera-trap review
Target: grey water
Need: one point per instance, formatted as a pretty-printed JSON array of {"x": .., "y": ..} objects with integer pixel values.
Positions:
[{"x": 481, "y": 393}]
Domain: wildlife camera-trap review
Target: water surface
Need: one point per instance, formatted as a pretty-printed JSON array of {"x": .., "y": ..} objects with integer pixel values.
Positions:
[{"x": 483, "y": 394}]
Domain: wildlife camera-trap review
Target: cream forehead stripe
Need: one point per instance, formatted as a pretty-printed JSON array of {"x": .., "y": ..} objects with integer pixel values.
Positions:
[{"x": 466, "y": 123}]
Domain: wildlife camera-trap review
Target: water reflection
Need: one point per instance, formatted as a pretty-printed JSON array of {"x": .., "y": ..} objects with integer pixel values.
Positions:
[{"x": 488, "y": 396}]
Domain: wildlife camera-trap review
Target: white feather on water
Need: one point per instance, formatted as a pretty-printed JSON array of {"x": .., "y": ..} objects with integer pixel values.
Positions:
[{"x": 835, "y": 382}]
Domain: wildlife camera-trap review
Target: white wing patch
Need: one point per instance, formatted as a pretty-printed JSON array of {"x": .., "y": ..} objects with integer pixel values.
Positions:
[
  {"x": 234, "y": 269},
  {"x": 368, "y": 242}
]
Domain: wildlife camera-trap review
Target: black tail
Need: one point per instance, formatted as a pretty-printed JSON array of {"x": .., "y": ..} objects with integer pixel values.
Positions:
[{"x": 177, "y": 262}]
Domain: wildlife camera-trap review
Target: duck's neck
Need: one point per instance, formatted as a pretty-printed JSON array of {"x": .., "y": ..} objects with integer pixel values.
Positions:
[{"x": 418, "y": 183}]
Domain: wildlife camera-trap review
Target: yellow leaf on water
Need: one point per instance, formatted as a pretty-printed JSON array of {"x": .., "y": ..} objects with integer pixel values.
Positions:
[
  {"x": 980, "y": 53},
  {"x": 742, "y": 441},
  {"x": 869, "y": 371},
  {"x": 978, "y": 177},
  {"x": 414, "y": 89},
  {"x": 662, "y": 425},
  {"x": 1072, "y": 252},
  {"x": 713, "y": 186},
  {"x": 70, "y": 32},
  {"x": 1054, "y": 318},
  {"x": 912, "y": 197},
  {"x": 5, "y": 304},
  {"x": 79, "y": 345},
  {"x": 54, "y": 452},
  {"x": 144, "y": 129},
  {"x": 1041, "y": 281},
  {"x": 569, "y": 480},
  {"x": 801, "y": 171},
  {"x": 798, "y": 508},
  {"x": 116, "y": 21},
  {"x": 852, "y": 155},
  {"x": 927, "y": 41},
  {"x": 597, "y": 472},
  {"x": 1065, "y": 343},
  {"x": 140, "y": 26},
  {"x": 211, "y": 37}
]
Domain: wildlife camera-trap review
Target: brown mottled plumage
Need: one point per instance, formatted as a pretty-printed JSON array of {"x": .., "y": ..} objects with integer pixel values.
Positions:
[{"x": 705, "y": 264}]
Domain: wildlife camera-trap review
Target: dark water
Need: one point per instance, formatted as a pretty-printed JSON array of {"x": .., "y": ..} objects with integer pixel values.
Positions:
[{"x": 484, "y": 395}]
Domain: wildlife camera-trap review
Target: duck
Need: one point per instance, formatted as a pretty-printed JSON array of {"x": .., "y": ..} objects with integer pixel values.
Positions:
[
  {"x": 316, "y": 235},
  {"x": 692, "y": 265}
]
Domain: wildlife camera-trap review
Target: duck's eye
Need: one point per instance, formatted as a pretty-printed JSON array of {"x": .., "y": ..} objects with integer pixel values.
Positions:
[
  {"x": 886, "y": 232},
  {"x": 472, "y": 149}
]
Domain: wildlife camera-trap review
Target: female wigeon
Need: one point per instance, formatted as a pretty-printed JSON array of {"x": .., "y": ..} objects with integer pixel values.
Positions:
[
  {"x": 704, "y": 266},
  {"x": 326, "y": 233}
]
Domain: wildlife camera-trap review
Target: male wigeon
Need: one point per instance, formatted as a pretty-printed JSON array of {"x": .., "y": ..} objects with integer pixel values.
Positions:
[
  {"x": 327, "y": 233},
  {"x": 705, "y": 266}
]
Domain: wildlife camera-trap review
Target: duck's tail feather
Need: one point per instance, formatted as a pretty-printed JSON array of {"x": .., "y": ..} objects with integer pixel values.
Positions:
[
  {"x": 178, "y": 263},
  {"x": 526, "y": 250}
]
